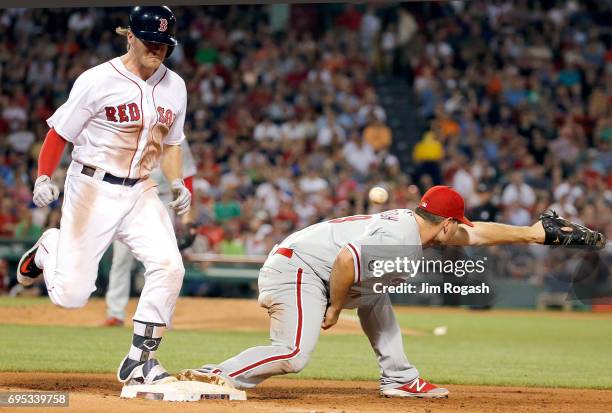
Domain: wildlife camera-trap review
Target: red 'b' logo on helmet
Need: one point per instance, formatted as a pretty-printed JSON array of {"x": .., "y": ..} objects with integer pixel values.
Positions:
[{"x": 163, "y": 25}]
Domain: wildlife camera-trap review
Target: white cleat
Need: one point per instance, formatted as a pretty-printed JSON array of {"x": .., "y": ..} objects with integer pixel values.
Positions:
[{"x": 417, "y": 388}]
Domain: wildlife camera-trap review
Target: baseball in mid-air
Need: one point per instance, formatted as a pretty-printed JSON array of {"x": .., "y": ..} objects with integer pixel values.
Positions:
[{"x": 378, "y": 195}]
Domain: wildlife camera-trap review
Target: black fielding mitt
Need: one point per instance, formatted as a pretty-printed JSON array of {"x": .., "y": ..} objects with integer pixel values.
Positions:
[
  {"x": 188, "y": 236},
  {"x": 561, "y": 232}
]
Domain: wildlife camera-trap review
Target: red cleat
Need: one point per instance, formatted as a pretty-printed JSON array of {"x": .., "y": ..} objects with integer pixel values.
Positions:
[
  {"x": 417, "y": 388},
  {"x": 113, "y": 322}
]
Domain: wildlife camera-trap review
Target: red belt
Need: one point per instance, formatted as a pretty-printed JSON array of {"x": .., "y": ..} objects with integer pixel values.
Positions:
[{"x": 287, "y": 252}]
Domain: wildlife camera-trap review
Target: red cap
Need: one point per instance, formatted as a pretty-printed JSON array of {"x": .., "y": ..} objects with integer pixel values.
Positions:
[{"x": 445, "y": 202}]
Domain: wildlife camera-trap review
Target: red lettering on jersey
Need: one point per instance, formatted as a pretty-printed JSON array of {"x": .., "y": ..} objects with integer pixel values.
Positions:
[
  {"x": 392, "y": 215},
  {"x": 123, "y": 117},
  {"x": 110, "y": 113},
  {"x": 349, "y": 219},
  {"x": 169, "y": 117},
  {"x": 166, "y": 116},
  {"x": 134, "y": 112},
  {"x": 160, "y": 112}
]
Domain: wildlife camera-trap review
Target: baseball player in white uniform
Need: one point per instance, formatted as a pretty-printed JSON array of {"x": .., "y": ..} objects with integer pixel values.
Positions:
[
  {"x": 122, "y": 116},
  {"x": 119, "y": 277},
  {"x": 313, "y": 274}
]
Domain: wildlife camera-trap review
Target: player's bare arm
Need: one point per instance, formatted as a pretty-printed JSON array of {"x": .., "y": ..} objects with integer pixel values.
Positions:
[
  {"x": 441, "y": 220},
  {"x": 550, "y": 229},
  {"x": 341, "y": 279},
  {"x": 172, "y": 162},
  {"x": 172, "y": 167},
  {"x": 491, "y": 233}
]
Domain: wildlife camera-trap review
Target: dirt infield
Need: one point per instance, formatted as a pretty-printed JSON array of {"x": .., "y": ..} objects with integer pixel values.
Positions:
[
  {"x": 220, "y": 315},
  {"x": 99, "y": 393},
  {"x": 190, "y": 314}
]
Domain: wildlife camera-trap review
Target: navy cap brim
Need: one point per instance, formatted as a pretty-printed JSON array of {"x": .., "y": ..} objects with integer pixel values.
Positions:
[{"x": 153, "y": 37}]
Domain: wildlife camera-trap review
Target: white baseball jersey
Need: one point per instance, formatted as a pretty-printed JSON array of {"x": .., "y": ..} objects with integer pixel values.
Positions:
[
  {"x": 119, "y": 122},
  {"x": 318, "y": 245}
]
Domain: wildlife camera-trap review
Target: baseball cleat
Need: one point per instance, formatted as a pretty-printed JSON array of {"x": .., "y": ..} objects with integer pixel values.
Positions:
[
  {"x": 206, "y": 374},
  {"x": 27, "y": 270},
  {"x": 113, "y": 322},
  {"x": 132, "y": 372},
  {"x": 417, "y": 388}
]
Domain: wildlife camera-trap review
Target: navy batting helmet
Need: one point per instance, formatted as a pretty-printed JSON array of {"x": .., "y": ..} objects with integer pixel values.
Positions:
[{"x": 154, "y": 24}]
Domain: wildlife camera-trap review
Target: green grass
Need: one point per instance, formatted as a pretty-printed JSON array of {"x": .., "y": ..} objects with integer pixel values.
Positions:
[
  {"x": 480, "y": 348},
  {"x": 6, "y": 301}
]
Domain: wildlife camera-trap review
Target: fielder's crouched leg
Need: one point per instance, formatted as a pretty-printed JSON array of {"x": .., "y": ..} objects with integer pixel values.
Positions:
[{"x": 294, "y": 331}]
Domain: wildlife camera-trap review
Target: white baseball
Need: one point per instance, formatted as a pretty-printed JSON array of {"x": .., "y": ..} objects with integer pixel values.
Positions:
[
  {"x": 440, "y": 331},
  {"x": 378, "y": 195}
]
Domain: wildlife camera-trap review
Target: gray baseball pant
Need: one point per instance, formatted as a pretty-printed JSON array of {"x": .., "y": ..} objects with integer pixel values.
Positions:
[{"x": 296, "y": 300}]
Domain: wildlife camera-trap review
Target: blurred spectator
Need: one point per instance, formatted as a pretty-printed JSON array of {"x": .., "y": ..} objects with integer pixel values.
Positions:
[
  {"x": 463, "y": 180},
  {"x": 428, "y": 154},
  {"x": 267, "y": 130},
  {"x": 515, "y": 214},
  {"x": 370, "y": 27},
  {"x": 231, "y": 244},
  {"x": 312, "y": 182},
  {"x": 517, "y": 192},
  {"x": 8, "y": 218},
  {"x": 330, "y": 132},
  {"x": 359, "y": 154},
  {"x": 21, "y": 139},
  {"x": 25, "y": 228},
  {"x": 226, "y": 208},
  {"x": 377, "y": 135}
]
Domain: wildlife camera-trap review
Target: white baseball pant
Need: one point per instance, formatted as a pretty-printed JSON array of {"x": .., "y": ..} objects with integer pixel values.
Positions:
[
  {"x": 94, "y": 213},
  {"x": 120, "y": 273},
  {"x": 119, "y": 281}
]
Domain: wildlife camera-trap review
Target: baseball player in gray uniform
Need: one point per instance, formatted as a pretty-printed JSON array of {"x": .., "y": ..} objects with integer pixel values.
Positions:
[
  {"x": 313, "y": 274},
  {"x": 119, "y": 277}
]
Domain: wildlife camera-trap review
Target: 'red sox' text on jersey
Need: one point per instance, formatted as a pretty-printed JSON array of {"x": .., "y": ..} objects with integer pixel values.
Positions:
[{"x": 119, "y": 122}]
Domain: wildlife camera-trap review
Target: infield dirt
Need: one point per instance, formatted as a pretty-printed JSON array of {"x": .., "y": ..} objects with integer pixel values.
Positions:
[
  {"x": 223, "y": 315},
  {"x": 99, "y": 393}
]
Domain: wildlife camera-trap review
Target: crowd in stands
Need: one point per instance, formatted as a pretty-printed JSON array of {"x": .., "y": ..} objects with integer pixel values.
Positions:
[
  {"x": 517, "y": 101},
  {"x": 288, "y": 130}
]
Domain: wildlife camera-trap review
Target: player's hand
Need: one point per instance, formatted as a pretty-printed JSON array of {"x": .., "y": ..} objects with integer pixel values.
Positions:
[
  {"x": 45, "y": 191},
  {"x": 331, "y": 317},
  {"x": 181, "y": 197}
]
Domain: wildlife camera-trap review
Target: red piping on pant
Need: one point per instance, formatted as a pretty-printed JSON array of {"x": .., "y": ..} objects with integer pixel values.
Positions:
[{"x": 298, "y": 334}]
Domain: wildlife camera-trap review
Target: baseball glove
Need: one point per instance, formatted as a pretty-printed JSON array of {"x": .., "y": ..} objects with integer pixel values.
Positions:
[
  {"x": 187, "y": 237},
  {"x": 562, "y": 232}
]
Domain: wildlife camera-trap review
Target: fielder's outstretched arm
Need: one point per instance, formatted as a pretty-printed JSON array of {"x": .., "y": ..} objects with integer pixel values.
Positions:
[
  {"x": 491, "y": 233},
  {"x": 341, "y": 280},
  {"x": 551, "y": 229}
]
